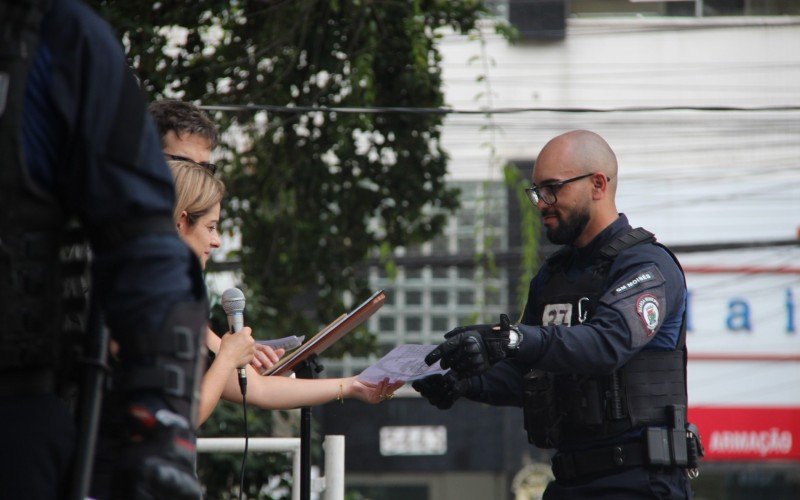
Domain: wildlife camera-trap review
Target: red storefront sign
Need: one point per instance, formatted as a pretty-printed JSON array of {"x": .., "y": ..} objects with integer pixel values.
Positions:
[{"x": 747, "y": 433}]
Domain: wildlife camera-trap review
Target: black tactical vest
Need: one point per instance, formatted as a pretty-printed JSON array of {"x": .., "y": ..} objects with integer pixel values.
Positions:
[
  {"x": 43, "y": 262},
  {"x": 562, "y": 409}
]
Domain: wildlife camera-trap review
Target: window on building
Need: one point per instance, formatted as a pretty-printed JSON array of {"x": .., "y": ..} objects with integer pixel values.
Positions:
[
  {"x": 466, "y": 273},
  {"x": 386, "y": 324},
  {"x": 440, "y": 245},
  {"x": 440, "y": 273},
  {"x": 492, "y": 296},
  {"x": 440, "y": 324},
  {"x": 469, "y": 190},
  {"x": 596, "y": 8},
  {"x": 439, "y": 297},
  {"x": 413, "y": 298},
  {"x": 495, "y": 218},
  {"x": 644, "y": 8},
  {"x": 466, "y": 217},
  {"x": 466, "y": 297},
  {"x": 413, "y": 324},
  {"x": 413, "y": 273},
  {"x": 466, "y": 244},
  {"x": 453, "y": 284}
]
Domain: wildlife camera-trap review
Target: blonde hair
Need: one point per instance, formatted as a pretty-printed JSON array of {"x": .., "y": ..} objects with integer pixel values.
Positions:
[{"x": 196, "y": 190}]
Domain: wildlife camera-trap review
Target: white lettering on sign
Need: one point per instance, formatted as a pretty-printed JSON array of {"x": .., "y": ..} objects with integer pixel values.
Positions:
[
  {"x": 757, "y": 304},
  {"x": 763, "y": 443},
  {"x": 413, "y": 440}
]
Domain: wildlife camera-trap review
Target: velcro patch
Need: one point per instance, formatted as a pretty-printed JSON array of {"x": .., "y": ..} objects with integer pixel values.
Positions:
[{"x": 638, "y": 280}]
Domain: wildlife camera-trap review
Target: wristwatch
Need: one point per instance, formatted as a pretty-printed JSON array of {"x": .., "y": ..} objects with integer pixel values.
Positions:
[{"x": 514, "y": 339}]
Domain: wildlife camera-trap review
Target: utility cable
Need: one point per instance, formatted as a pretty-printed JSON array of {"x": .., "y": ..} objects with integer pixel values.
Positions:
[{"x": 498, "y": 111}]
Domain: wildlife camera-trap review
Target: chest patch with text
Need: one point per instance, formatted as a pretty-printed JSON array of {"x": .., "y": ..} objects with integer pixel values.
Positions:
[{"x": 557, "y": 315}]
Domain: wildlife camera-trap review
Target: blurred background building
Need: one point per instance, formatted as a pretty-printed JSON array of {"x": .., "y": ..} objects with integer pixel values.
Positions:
[{"x": 701, "y": 102}]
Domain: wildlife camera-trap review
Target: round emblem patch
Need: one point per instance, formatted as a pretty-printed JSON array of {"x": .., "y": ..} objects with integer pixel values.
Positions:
[{"x": 647, "y": 308}]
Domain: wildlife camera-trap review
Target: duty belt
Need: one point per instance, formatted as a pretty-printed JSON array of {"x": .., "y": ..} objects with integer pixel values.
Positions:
[{"x": 568, "y": 466}]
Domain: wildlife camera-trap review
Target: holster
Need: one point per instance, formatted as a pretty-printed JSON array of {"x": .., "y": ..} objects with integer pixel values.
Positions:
[{"x": 540, "y": 413}]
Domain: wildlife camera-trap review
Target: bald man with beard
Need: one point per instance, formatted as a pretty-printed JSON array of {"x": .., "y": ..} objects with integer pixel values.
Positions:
[{"x": 598, "y": 360}]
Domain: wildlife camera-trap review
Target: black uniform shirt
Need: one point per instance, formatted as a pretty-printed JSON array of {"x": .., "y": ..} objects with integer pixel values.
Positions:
[{"x": 615, "y": 332}]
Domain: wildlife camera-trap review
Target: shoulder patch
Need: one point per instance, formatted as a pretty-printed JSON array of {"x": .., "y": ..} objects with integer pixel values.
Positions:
[
  {"x": 647, "y": 307},
  {"x": 641, "y": 299}
]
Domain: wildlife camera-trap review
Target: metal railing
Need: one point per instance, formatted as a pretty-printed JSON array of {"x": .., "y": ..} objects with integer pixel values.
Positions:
[{"x": 333, "y": 446}]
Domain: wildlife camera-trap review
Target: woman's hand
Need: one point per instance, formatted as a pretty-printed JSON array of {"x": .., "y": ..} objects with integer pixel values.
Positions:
[
  {"x": 237, "y": 348},
  {"x": 265, "y": 358},
  {"x": 369, "y": 392}
]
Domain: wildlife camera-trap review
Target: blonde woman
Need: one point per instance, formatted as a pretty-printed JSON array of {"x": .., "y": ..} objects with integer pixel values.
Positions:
[{"x": 197, "y": 212}]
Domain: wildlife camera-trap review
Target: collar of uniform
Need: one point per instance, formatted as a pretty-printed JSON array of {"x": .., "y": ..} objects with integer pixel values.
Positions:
[{"x": 587, "y": 255}]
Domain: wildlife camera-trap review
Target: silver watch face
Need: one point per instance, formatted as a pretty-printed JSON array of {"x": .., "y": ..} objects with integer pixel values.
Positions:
[{"x": 514, "y": 338}]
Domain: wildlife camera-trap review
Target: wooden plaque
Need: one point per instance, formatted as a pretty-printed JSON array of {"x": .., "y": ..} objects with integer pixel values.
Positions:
[{"x": 329, "y": 335}]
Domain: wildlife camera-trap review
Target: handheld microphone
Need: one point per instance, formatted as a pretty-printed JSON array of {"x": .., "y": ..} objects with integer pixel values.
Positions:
[{"x": 233, "y": 305}]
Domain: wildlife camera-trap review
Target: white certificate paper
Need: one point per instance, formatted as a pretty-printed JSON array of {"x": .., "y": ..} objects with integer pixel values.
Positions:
[{"x": 404, "y": 363}]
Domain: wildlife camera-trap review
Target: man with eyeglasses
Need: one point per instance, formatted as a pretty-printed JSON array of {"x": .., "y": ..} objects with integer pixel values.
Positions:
[
  {"x": 598, "y": 361},
  {"x": 187, "y": 133}
]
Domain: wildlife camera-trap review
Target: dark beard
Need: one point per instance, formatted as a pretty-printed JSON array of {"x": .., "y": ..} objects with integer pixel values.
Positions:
[{"x": 569, "y": 229}]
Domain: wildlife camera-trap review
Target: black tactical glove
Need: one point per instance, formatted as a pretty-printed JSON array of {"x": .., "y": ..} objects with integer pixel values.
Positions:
[
  {"x": 159, "y": 462},
  {"x": 471, "y": 350},
  {"x": 441, "y": 390}
]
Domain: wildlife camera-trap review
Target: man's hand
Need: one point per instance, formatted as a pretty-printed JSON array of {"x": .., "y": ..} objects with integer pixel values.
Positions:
[
  {"x": 471, "y": 350},
  {"x": 441, "y": 390},
  {"x": 159, "y": 461}
]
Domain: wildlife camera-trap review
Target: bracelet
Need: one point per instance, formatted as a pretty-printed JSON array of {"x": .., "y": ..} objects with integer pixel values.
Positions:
[{"x": 340, "y": 397}]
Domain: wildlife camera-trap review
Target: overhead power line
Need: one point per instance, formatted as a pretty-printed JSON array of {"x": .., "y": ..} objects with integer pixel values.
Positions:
[
  {"x": 498, "y": 111},
  {"x": 737, "y": 245},
  {"x": 513, "y": 255}
]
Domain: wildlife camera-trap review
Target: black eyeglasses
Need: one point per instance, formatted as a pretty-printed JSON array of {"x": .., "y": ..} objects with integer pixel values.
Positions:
[
  {"x": 547, "y": 193},
  {"x": 208, "y": 166}
]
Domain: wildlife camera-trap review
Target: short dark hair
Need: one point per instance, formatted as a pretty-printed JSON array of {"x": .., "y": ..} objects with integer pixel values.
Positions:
[{"x": 183, "y": 118}]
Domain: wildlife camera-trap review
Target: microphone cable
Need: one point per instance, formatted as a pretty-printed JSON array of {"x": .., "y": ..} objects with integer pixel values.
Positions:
[
  {"x": 233, "y": 305},
  {"x": 246, "y": 442}
]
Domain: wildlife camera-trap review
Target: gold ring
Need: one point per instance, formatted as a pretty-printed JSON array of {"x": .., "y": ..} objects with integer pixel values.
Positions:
[{"x": 390, "y": 395}]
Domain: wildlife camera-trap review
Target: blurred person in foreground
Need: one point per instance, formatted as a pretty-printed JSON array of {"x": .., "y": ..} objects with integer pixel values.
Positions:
[
  {"x": 86, "y": 201},
  {"x": 598, "y": 361}
]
